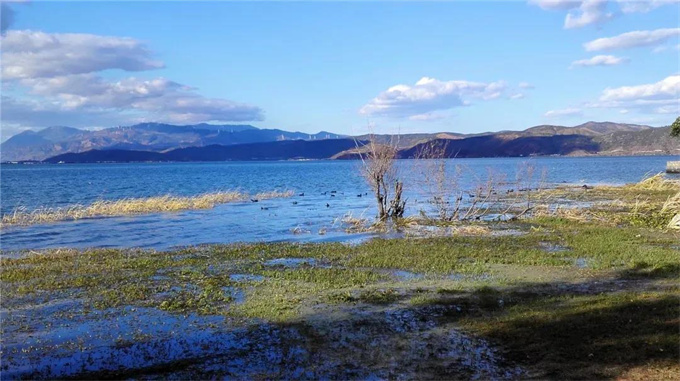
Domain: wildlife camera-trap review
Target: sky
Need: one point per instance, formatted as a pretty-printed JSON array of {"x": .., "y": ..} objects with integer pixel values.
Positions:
[{"x": 346, "y": 67}]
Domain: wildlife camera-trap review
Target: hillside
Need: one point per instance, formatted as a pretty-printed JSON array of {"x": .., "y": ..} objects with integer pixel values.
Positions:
[
  {"x": 585, "y": 129},
  {"x": 643, "y": 141},
  {"x": 652, "y": 141},
  {"x": 281, "y": 150},
  {"x": 199, "y": 142},
  {"x": 157, "y": 137}
]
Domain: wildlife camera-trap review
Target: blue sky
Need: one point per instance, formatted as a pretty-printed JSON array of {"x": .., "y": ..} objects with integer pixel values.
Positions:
[{"x": 458, "y": 66}]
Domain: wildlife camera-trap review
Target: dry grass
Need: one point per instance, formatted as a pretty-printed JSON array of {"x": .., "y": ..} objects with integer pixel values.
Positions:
[
  {"x": 353, "y": 224},
  {"x": 652, "y": 202},
  {"x": 655, "y": 183},
  {"x": 130, "y": 206},
  {"x": 273, "y": 194},
  {"x": 471, "y": 230},
  {"x": 572, "y": 213}
]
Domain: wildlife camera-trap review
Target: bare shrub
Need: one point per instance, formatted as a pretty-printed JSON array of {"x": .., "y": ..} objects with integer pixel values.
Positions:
[
  {"x": 487, "y": 196},
  {"x": 379, "y": 170}
]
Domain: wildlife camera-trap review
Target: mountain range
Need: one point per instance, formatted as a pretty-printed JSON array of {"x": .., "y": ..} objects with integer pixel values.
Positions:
[
  {"x": 155, "y": 137},
  {"x": 205, "y": 142}
]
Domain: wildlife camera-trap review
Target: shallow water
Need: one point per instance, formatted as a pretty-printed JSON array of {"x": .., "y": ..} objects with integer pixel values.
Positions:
[{"x": 315, "y": 216}]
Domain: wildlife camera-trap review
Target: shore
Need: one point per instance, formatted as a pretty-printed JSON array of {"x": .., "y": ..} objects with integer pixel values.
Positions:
[{"x": 572, "y": 293}]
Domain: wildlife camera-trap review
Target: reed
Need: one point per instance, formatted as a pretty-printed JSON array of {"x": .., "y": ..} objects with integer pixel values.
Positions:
[
  {"x": 656, "y": 182},
  {"x": 131, "y": 206}
]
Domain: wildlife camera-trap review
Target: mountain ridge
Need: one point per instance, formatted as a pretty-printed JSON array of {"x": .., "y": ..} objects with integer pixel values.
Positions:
[
  {"x": 596, "y": 137},
  {"x": 156, "y": 137},
  {"x": 651, "y": 141}
]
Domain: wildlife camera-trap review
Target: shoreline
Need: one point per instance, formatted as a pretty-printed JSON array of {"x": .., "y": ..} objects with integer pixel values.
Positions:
[{"x": 32, "y": 162}]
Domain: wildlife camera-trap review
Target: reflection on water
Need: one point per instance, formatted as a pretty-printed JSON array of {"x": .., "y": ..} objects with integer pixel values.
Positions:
[{"x": 324, "y": 192}]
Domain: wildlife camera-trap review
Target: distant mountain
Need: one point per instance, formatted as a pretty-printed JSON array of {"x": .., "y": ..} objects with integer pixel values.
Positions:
[
  {"x": 207, "y": 142},
  {"x": 157, "y": 137},
  {"x": 280, "y": 150},
  {"x": 645, "y": 141},
  {"x": 627, "y": 141},
  {"x": 586, "y": 129},
  {"x": 651, "y": 141},
  {"x": 34, "y": 145}
]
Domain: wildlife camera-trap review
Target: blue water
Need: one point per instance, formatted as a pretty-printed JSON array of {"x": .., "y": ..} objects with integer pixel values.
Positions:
[{"x": 33, "y": 186}]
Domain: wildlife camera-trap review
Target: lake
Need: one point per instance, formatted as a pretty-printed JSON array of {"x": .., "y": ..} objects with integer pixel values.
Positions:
[{"x": 299, "y": 218}]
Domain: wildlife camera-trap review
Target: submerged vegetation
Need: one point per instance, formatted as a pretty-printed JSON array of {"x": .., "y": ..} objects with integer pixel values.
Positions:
[
  {"x": 586, "y": 288},
  {"x": 129, "y": 206}
]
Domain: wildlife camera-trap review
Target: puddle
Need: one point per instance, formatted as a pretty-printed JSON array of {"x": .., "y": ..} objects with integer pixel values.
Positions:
[
  {"x": 404, "y": 275},
  {"x": 552, "y": 247},
  {"x": 461, "y": 277},
  {"x": 291, "y": 262},
  {"x": 507, "y": 232},
  {"x": 238, "y": 295},
  {"x": 246, "y": 278},
  {"x": 581, "y": 263}
]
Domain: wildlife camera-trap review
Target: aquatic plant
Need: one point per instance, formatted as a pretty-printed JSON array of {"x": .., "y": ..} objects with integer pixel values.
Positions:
[{"x": 129, "y": 206}]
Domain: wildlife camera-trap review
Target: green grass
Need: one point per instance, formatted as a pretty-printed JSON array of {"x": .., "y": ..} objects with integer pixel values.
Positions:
[
  {"x": 617, "y": 315},
  {"x": 112, "y": 277},
  {"x": 585, "y": 336}
]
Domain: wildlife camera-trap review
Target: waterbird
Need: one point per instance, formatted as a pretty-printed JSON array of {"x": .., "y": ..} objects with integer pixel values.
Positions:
[
  {"x": 328, "y": 205},
  {"x": 586, "y": 187},
  {"x": 294, "y": 202},
  {"x": 264, "y": 208},
  {"x": 334, "y": 191},
  {"x": 254, "y": 200},
  {"x": 332, "y": 195},
  {"x": 359, "y": 195},
  {"x": 302, "y": 194}
]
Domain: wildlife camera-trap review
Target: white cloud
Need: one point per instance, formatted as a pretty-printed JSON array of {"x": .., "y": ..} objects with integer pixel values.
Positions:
[
  {"x": 654, "y": 98},
  {"x": 581, "y": 12},
  {"x": 667, "y": 88},
  {"x": 563, "y": 113},
  {"x": 590, "y": 12},
  {"x": 668, "y": 109},
  {"x": 633, "y": 6},
  {"x": 516, "y": 96},
  {"x": 52, "y": 79},
  {"x": 593, "y": 12},
  {"x": 35, "y": 54},
  {"x": 428, "y": 117},
  {"x": 556, "y": 4},
  {"x": 429, "y": 94},
  {"x": 23, "y": 114},
  {"x": 525, "y": 85},
  {"x": 632, "y": 39},
  {"x": 664, "y": 48},
  {"x": 601, "y": 60},
  {"x": 158, "y": 98}
]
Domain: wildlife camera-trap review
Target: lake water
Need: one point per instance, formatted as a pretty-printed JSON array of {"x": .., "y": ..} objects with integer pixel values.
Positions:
[{"x": 33, "y": 186}]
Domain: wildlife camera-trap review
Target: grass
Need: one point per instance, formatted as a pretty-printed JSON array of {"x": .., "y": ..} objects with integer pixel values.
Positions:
[
  {"x": 130, "y": 206},
  {"x": 585, "y": 336},
  {"x": 653, "y": 202},
  {"x": 584, "y": 298},
  {"x": 193, "y": 278}
]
